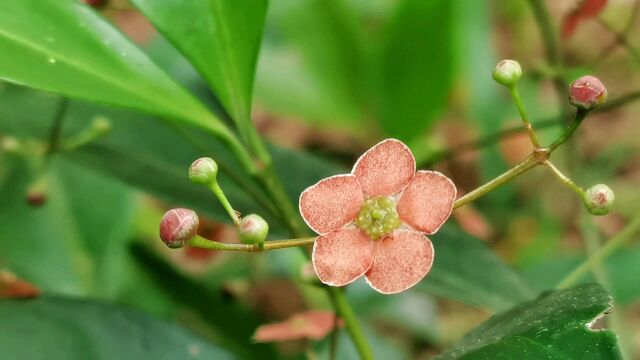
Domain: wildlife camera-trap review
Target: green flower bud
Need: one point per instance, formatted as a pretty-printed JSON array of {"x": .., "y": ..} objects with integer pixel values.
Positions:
[
  {"x": 178, "y": 226},
  {"x": 587, "y": 93},
  {"x": 507, "y": 72},
  {"x": 253, "y": 229},
  {"x": 599, "y": 199},
  {"x": 203, "y": 171}
]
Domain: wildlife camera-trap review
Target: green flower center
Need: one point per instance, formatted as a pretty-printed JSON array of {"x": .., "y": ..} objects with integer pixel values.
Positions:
[{"x": 378, "y": 217}]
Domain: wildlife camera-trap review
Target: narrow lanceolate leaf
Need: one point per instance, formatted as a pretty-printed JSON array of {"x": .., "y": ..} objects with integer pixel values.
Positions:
[
  {"x": 63, "y": 46},
  {"x": 557, "y": 325},
  {"x": 220, "y": 37},
  {"x": 65, "y": 328},
  {"x": 416, "y": 71}
]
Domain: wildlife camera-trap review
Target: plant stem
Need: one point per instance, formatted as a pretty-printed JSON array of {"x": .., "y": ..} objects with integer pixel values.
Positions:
[
  {"x": 203, "y": 243},
  {"x": 491, "y": 139},
  {"x": 564, "y": 179},
  {"x": 525, "y": 165},
  {"x": 601, "y": 254},
  {"x": 580, "y": 115},
  {"x": 550, "y": 41},
  {"x": 523, "y": 114},
  {"x": 274, "y": 188},
  {"x": 217, "y": 191},
  {"x": 351, "y": 322},
  {"x": 56, "y": 128}
]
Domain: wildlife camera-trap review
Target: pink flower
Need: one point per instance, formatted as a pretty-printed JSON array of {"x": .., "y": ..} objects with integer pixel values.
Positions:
[
  {"x": 373, "y": 221},
  {"x": 313, "y": 324}
]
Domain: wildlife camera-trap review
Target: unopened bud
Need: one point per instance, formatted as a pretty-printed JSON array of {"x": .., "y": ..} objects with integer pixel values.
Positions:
[
  {"x": 203, "y": 171},
  {"x": 178, "y": 226},
  {"x": 599, "y": 199},
  {"x": 587, "y": 93},
  {"x": 507, "y": 72},
  {"x": 253, "y": 229},
  {"x": 36, "y": 198}
]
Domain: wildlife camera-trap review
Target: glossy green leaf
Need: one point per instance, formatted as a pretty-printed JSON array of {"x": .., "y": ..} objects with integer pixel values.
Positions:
[
  {"x": 75, "y": 52},
  {"x": 554, "y": 326},
  {"x": 416, "y": 67},
  {"x": 66, "y": 328},
  {"x": 465, "y": 269},
  {"x": 221, "y": 38}
]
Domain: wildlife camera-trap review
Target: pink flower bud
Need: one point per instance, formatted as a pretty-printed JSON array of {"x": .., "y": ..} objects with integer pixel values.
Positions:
[
  {"x": 178, "y": 226},
  {"x": 587, "y": 93},
  {"x": 599, "y": 199}
]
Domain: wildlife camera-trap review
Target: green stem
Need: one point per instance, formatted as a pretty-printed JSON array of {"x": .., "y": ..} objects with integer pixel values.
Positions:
[
  {"x": 351, "y": 322},
  {"x": 525, "y": 165},
  {"x": 564, "y": 179},
  {"x": 217, "y": 191},
  {"x": 56, "y": 128},
  {"x": 203, "y": 243},
  {"x": 601, "y": 254},
  {"x": 523, "y": 114},
  {"x": 290, "y": 215},
  {"x": 580, "y": 116}
]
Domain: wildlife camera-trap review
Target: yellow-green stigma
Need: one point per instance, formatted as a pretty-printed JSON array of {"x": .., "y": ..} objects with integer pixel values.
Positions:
[{"x": 378, "y": 217}]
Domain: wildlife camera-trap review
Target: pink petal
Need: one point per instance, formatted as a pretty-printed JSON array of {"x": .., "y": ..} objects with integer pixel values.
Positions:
[
  {"x": 427, "y": 202},
  {"x": 342, "y": 256},
  {"x": 385, "y": 169},
  {"x": 331, "y": 203},
  {"x": 314, "y": 325},
  {"x": 401, "y": 261}
]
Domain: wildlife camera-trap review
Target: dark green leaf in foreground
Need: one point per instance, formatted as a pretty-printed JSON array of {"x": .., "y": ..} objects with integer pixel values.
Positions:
[
  {"x": 64, "y": 328},
  {"x": 416, "y": 67},
  {"x": 221, "y": 38},
  {"x": 466, "y": 270},
  {"x": 554, "y": 326},
  {"x": 75, "y": 52}
]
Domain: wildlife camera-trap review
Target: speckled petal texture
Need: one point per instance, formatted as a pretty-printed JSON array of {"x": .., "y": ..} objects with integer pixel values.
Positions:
[
  {"x": 385, "y": 169},
  {"x": 426, "y": 203},
  {"x": 400, "y": 261},
  {"x": 331, "y": 203},
  {"x": 342, "y": 256}
]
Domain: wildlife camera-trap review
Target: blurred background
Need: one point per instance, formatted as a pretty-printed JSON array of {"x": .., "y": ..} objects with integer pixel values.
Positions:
[{"x": 333, "y": 78}]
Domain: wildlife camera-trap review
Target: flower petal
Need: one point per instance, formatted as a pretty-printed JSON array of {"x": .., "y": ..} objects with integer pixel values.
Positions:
[
  {"x": 342, "y": 256},
  {"x": 331, "y": 203},
  {"x": 385, "y": 169},
  {"x": 400, "y": 261},
  {"x": 427, "y": 202}
]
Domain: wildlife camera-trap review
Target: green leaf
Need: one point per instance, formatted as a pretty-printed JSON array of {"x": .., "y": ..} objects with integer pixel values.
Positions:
[
  {"x": 75, "y": 52},
  {"x": 465, "y": 269},
  {"x": 221, "y": 38},
  {"x": 554, "y": 326},
  {"x": 233, "y": 322},
  {"x": 61, "y": 246},
  {"x": 65, "y": 328},
  {"x": 416, "y": 67},
  {"x": 317, "y": 74}
]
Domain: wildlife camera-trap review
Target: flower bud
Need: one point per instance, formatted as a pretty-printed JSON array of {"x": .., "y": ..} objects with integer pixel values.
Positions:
[
  {"x": 203, "y": 171},
  {"x": 599, "y": 199},
  {"x": 253, "y": 229},
  {"x": 507, "y": 72},
  {"x": 587, "y": 93},
  {"x": 178, "y": 226},
  {"x": 36, "y": 198}
]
